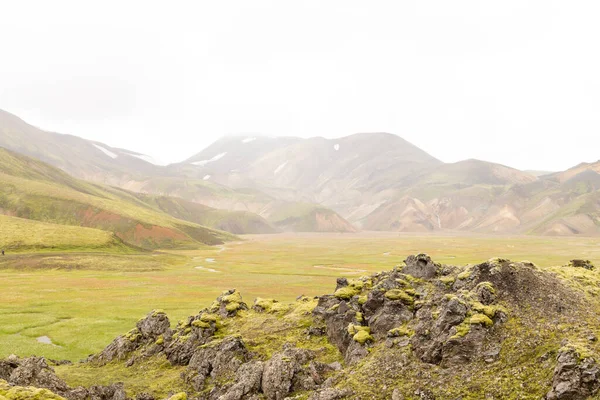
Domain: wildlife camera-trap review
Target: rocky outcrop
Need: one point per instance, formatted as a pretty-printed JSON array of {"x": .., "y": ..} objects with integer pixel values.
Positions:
[
  {"x": 576, "y": 376},
  {"x": 24, "y": 375},
  {"x": 587, "y": 264},
  {"x": 400, "y": 333},
  {"x": 153, "y": 329},
  {"x": 416, "y": 305}
]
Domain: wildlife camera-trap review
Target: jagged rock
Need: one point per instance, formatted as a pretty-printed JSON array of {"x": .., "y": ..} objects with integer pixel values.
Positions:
[
  {"x": 420, "y": 266},
  {"x": 283, "y": 373},
  {"x": 34, "y": 371},
  {"x": 228, "y": 304},
  {"x": 574, "y": 378},
  {"x": 215, "y": 360},
  {"x": 147, "y": 331},
  {"x": 155, "y": 324},
  {"x": 318, "y": 370},
  {"x": 587, "y": 264},
  {"x": 112, "y": 392},
  {"x": 393, "y": 313},
  {"x": 331, "y": 394},
  {"x": 248, "y": 381},
  {"x": 144, "y": 396}
]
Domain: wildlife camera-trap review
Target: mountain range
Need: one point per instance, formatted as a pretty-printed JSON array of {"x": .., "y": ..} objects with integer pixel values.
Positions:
[{"x": 366, "y": 181}]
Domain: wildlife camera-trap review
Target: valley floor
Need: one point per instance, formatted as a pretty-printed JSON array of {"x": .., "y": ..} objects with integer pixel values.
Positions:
[{"x": 69, "y": 305}]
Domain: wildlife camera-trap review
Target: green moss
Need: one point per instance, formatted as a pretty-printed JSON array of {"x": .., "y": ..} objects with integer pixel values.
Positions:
[
  {"x": 398, "y": 294},
  {"x": 179, "y": 396},
  {"x": 234, "y": 297},
  {"x": 265, "y": 304},
  {"x": 200, "y": 324},
  {"x": 362, "y": 337},
  {"x": 447, "y": 280},
  {"x": 489, "y": 311},
  {"x": 464, "y": 275},
  {"x": 270, "y": 305},
  {"x": 232, "y": 306},
  {"x": 487, "y": 285},
  {"x": 399, "y": 332},
  {"x": 158, "y": 312},
  {"x": 481, "y": 319},
  {"x": 209, "y": 317},
  {"x": 160, "y": 340},
  {"x": 25, "y": 393},
  {"x": 346, "y": 293},
  {"x": 362, "y": 299},
  {"x": 353, "y": 329},
  {"x": 462, "y": 330},
  {"x": 334, "y": 307},
  {"x": 187, "y": 331},
  {"x": 403, "y": 282},
  {"x": 359, "y": 317}
]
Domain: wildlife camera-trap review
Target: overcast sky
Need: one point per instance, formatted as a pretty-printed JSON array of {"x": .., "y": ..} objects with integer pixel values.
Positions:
[{"x": 513, "y": 81}]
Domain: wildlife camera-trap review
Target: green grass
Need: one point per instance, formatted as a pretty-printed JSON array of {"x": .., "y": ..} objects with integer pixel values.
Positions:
[
  {"x": 23, "y": 234},
  {"x": 33, "y": 190},
  {"x": 83, "y": 300}
]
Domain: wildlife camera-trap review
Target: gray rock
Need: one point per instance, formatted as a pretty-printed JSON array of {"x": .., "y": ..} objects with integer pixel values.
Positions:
[
  {"x": 574, "y": 379},
  {"x": 420, "y": 266},
  {"x": 331, "y": 394}
]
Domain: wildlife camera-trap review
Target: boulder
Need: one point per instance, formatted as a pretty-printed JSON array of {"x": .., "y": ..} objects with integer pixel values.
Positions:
[{"x": 575, "y": 378}]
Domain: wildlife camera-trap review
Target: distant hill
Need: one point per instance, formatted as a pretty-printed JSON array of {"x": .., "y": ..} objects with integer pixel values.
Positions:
[
  {"x": 79, "y": 157},
  {"x": 33, "y": 190},
  {"x": 97, "y": 162},
  {"x": 371, "y": 181}
]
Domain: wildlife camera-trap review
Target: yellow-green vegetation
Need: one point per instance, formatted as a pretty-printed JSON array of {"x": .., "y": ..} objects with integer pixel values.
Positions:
[
  {"x": 400, "y": 331},
  {"x": 447, "y": 280},
  {"x": 179, "y": 396},
  {"x": 23, "y": 234},
  {"x": 481, "y": 319},
  {"x": 270, "y": 305},
  {"x": 153, "y": 375},
  {"x": 360, "y": 334},
  {"x": 354, "y": 288},
  {"x": 266, "y": 333},
  {"x": 33, "y": 190},
  {"x": 399, "y": 294},
  {"x": 25, "y": 393},
  {"x": 82, "y": 300}
]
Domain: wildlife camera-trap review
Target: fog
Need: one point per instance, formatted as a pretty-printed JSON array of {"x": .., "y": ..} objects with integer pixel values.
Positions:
[{"x": 514, "y": 82}]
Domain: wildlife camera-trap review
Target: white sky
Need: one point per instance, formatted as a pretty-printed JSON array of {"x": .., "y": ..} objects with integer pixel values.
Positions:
[{"x": 512, "y": 81}]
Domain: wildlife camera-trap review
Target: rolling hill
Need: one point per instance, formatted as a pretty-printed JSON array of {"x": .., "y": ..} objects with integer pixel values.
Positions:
[
  {"x": 33, "y": 190},
  {"x": 371, "y": 181}
]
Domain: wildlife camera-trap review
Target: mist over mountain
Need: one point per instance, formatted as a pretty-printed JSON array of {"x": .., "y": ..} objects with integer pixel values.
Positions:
[{"x": 370, "y": 181}]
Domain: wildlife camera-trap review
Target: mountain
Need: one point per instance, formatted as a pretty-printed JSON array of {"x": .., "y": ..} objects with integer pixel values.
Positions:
[
  {"x": 371, "y": 181},
  {"x": 237, "y": 222},
  {"x": 98, "y": 162},
  {"x": 500, "y": 329},
  {"x": 33, "y": 190},
  {"x": 79, "y": 157}
]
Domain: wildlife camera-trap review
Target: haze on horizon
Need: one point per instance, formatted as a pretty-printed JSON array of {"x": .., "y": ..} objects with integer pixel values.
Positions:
[{"x": 513, "y": 82}]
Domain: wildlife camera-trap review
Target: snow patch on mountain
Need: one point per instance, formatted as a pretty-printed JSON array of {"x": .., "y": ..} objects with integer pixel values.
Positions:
[
  {"x": 279, "y": 168},
  {"x": 146, "y": 158},
  {"x": 248, "y": 140},
  {"x": 206, "y": 177},
  {"x": 106, "y": 151},
  {"x": 204, "y": 162},
  {"x": 336, "y": 146}
]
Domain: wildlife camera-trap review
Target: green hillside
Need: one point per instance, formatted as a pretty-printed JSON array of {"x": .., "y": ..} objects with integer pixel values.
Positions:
[
  {"x": 237, "y": 222},
  {"x": 33, "y": 190},
  {"x": 22, "y": 234}
]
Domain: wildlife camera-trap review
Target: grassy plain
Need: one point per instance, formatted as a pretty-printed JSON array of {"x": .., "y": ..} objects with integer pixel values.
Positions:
[{"x": 82, "y": 300}]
